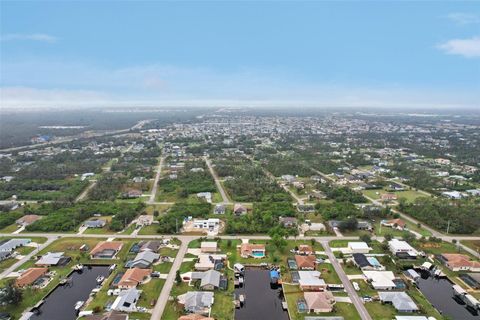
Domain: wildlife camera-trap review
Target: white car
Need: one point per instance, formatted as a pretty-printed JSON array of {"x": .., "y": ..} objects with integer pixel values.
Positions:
[{"x": 356, "y": 286}]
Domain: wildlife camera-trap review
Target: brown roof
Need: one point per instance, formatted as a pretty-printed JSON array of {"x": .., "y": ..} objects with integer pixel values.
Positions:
[
  {"x": 194, "y": 316},
  {"x": 456, "y": 260},
  {"x": 305, "y": 262},
  {"x": 106, "y": 245},
  {"x": 389, "y": 196},
  {"x": 319, "y": 300},
  {"x": 133, "y": 277},
  {"x": 247, "y": 248},
  {"x": 30, "y": 276},
  {"x": 398, "y": 222}
]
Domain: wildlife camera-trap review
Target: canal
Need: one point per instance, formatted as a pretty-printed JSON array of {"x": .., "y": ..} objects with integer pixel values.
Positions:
[
  {"x": 440, "y": 294},
  {"x": 261, "y": 301},
  {"x": 60, "y": 304}
]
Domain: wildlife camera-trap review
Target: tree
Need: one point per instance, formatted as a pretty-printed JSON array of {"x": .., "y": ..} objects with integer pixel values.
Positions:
[
  {"x": 366, "y": 238},
  {"x": 10, "y": 294},
  {"x": 388, "y": 237},
  {"x": 178, "y": 278},
  {"x": 155, "y": 213}
]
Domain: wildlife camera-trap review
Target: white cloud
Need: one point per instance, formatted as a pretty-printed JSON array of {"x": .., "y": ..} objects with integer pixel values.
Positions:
[
  {"x": 41, "y": 37},
  {"x": 469, "y": 48},
  {"x": 463, "y": 18}
]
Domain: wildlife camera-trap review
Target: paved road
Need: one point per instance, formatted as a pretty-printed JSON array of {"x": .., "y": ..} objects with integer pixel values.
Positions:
[
  {"x": 357, "y": 302},
  {"x": 162, "y": 300},
  {"x": 217, "y": 182},
  {"x": 26, "y": 258},
  {"x": 155, "y": 182}
]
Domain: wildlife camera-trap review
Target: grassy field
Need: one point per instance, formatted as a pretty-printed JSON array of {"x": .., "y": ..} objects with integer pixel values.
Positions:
[
  {"x": 9, "y": 229},
  {"x": 409, "y": 195}
]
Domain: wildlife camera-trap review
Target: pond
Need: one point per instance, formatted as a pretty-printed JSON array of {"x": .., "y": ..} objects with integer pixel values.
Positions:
[
  {"x": 439, "y": 292},
  {"x": 60, "y": 303},
  {"x": 261, "y": 301}
]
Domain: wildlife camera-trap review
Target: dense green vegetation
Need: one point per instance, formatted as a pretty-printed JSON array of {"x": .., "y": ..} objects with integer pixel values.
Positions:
[
  {"x": 341, "y": 194},
  {"x": 61, "y": 190},
  {"x": 67, "y": 217},
  {"x": 9, "y": 218},
  {"x": 189, "y": 182},
  {"x": 279, "y": 166},
  {"x": 264, "y": 217},
  {"x": 108, "y": 187},
  {"x": 461, "y": 216}
]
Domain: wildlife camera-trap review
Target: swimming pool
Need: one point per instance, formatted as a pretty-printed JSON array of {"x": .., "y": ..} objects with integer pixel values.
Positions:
[
  {"x": 302, "y": 305},
  {"x": 258, "y": 254}
]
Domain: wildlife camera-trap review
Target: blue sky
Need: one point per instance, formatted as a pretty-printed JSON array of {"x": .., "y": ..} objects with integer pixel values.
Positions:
[{"x": 362, "y": 53}]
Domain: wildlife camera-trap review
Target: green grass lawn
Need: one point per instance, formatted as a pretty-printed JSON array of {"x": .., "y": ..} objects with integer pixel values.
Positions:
[
  {"x": 149, "y": 230},
  {"x": 9, "y": 229},
  {"x": 409, "y": 195}
]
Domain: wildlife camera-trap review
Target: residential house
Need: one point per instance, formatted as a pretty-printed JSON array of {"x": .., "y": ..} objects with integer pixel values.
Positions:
[
  {"x": 106, "y": 249},
  {"x": 380, "y": 280},
  {"x": 132, "y": 193},
  {"x": 143, "y": 260},
  {"x": 150, "y": 245},
  {"x": 459, "y": 262},
  {"x": 53, "y": 259},
  {"x": 288, "y": 222},
  {"x": 133, "y": 277},
  {"x": 4, "y": 255},
  {"x": 144, "y": 220},
  {"x": 252, "y": 250},
  {"x": 96, "y": 223},
  {"x": 198, "y": 302},
  {"x": 310, "y": 281},
  {"x": 205, "y": 195},
  {"x": 209, "y": 247},
  {"x": 126, "y": 300},
  {"x": 400, "y": 301},
  {"x": 319, "y": 301},
  {"x": 28, "y": 219},
  {"x": 402, "y": 249},
  {"x": 394, "y": 223},
  {"x": 239, "y": 209},
  {"x": 219, "y": 209},
  {"x": 210, "y": 261},
  {"x": 367, "y": 263},
  {"x": 305, "y": 208},
  {"x": 359, "y": 247},
  {"x": 10, "y": 245},
  {"x": 305, "y": 250},
  {"x": 387, "y": 197},
  {"x": 209, "y": 280},
  {"x": 306, "y": 262},
  {"x": 30, "y": 276}
]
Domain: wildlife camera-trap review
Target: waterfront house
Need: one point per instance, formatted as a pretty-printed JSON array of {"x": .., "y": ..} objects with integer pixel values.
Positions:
[
  {"x": 380, "y": 280},
  {"x": 367, "y": 263},
  {"x": 198, "y": 302},
  {"x": 133, "y": 277},
  {"x": 30, "y": 276},
  {"x": 310, "y": 281},
  {"x": 210, "y": 261},
  {"x": 306, "y": 262},
  {"x": 126, "y": 300},
  {"x": 402, "y": 249},
  {"x": 400, "y": 301},
  {"x": 106, "y": 249},
  {"x": 209, "y": 280},
  {"x": 53, "y": 259},
  {"x": 459, "y": 262},
  {"x": 143, "y": 260},
  {"x": 322, "y": 301}
]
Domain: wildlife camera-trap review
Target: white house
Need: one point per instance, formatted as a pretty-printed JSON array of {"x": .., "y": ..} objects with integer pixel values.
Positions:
[
  {"x": 402, "y": 248},
  {"x": 380, "y": 280},
  {"x": 126, "y": 300},
  {"x": 359, "y": 247}
]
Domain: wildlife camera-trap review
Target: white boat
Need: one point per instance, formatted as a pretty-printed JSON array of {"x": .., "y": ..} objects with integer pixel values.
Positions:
[
  {"x": 112, "y": 267},
  {"x": 78, "y": 305},
  {"x": 78, "y": 267},
  {"x": 100, "y": 279}
]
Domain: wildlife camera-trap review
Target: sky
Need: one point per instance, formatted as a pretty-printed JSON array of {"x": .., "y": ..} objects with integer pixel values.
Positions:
[{"x": 240, "y": 53}]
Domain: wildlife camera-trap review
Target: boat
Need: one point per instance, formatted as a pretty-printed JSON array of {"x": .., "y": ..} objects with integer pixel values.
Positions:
[
  {"x": 112, "y": 267},
  {"x": 100, "y": 279},
  {"x": 242, "y": 299},
  {"x": 63, "y": 281},
  {"x": 78, "y": 305},
  {"x": 78, "y": 267}
]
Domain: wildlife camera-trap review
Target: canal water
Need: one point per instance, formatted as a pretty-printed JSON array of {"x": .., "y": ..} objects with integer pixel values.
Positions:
[
  {"x": 60, "y": 304},
  {"x": 440, "y": 294},
  {"x": 261, "y": 301}
]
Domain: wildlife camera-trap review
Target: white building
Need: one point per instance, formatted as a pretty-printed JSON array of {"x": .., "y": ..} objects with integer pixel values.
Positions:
[
  {"x": 359, "y": 247},
  {"x": 400, "y": 247},
  {"x": 380, "y": 280}
]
